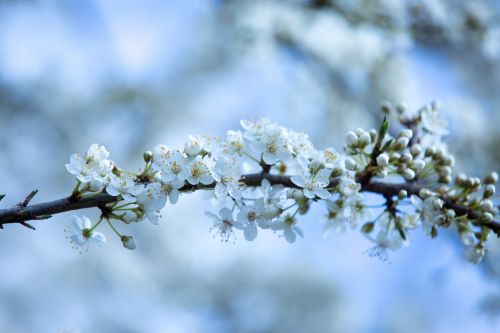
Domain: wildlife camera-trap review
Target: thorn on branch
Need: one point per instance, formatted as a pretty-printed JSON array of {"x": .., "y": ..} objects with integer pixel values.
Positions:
[
  {"x": 27, "y": 225},
  {"x": 27, "y": 199}
]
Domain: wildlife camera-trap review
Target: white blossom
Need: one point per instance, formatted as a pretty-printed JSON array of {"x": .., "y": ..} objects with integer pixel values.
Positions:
[
  {"x": 429, "y": 211},
  {"x": 253, "y": 130},
  {"x": 93, "y": 166},
  {"x": 234, "y": 142},
  {"x": 273, "y": 145},
  {"x": 174, "y": 166},
  {"x": 349, "y": 187},
  {"x": 199, "y": 172},
  {"x": 288, "y": 225},
  {"x": 432, "y": 123},
  {"x": 224, "y": 223},
  {"x": 314, "y": 184},
  {"x": 81, "y": 233},
  {"x": 123, "y": 186},
  {"x": 227, "y": 174}
]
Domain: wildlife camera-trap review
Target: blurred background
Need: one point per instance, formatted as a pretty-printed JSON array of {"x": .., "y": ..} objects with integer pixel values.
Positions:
[{"x": 130, "y": 75}]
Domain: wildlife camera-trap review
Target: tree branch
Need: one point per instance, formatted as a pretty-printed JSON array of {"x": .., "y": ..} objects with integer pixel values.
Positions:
[{"x": 22, "y": 213}]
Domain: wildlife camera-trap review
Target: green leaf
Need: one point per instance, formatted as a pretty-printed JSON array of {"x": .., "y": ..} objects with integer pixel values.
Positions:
[{"x": 384, "y": 128}]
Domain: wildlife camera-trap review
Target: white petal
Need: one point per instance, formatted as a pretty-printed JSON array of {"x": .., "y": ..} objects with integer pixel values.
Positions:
[
  {"x": 174, "y": 196},
  {"x": 323, "y": 194},
  {"x": 226, "y": 214},
  {"x": 111, "y": 190},
  {"x": 298, "y": 180},
  {"x": 289, "y": 235},
  {"x": 98, "y": 237},
  {"x": 250, "y": 232}
]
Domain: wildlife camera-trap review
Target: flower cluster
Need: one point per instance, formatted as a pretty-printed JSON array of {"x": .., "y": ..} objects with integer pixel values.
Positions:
[{"x": 286, "y": 174}]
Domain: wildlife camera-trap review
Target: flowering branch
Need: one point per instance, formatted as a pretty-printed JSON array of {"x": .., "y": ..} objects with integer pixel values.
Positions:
[
  {"x": 286, "y": 175},
  {"x": 22, "y": 213}
]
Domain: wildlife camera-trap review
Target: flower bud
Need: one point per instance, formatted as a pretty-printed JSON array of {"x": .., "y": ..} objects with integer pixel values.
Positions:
[
  {"x": 386, "y": 107},
  {"x": 401, "y": 107},
  {"x": 192, "y": 147},
  {"x": 383, "y": 160},
  {"x": 425, "y": 193},
  {"x": 492, "y": 178},
  {"x": 418, "y": 165},
  {"x": 486, "y": 206},
  {"x": 402, "y": 194},
  {"x": 406, "y": 158},
  {"x": 402, "y": 142},
  {"x": 128, "y": 242},
  {"x": 445, "y": 179},
  {"x": 449, "y": 160},
  {"x": 461, "y": 179},
  {"x": 350, "y": 163},
  {"x": 486, "y": 217},
  {"x": 416, "y": 149},
  {"x": 437, "y": 203},
  {"x": 431, "y": 151},
  {"x": 147, "y": 156},
  {"x": 489, "y": 191},
  {"x": 351, "y": 138},
  {"x": 444, "y": 171},
  {"x": 364, "y": 139},
  {"x": 406, "y": 133},
  {"x": 373, "y": 135},
  {"x": 129, "y": 216},
  {"x": 394, "y": 157},
  {"x": 409, "y": 174}
]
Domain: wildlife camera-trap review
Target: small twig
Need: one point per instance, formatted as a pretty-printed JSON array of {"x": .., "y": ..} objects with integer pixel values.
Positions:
[
  {"x": 2, "y": 196},
  {"x": 27, "y": 199}
]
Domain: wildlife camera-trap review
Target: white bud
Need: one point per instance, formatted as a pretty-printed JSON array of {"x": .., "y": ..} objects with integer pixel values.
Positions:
[
  {"x": 350, "y": 163},
  {"x": 409, "y": 174},
  {"x": 192, "y": 147},
  {"x": 406, "y": 158},
  {"x": 351, "y": 138},
  {"x": 407, "y": 133},
  {"x": 129, "y": 217},
  {"x": 492, "y": 178},
  {"x": 416, "y": 149},
  {"x": 383, "y": 160},
  {"x": 487, "y": 205},
  {"x": 437, "y": 203},
  {"x": 402, "y": 142},
  {"x": 129, "y": 242},
  {"x": 489, "y": 191},
  {"x": 418, "y": 165},
  {"x": 444, "y": 171},
  {"x": 364, "y": 138}
]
